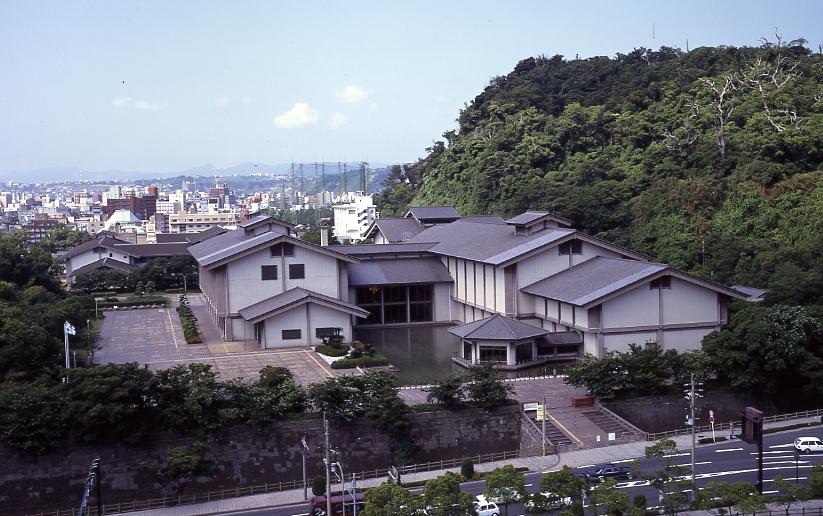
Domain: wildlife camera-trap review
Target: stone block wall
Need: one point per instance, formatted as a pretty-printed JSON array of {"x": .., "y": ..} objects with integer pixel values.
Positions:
[{"x": 243, "y": 456}]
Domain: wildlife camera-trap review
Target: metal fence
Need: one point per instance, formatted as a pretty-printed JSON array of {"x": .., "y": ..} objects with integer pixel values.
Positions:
[
  {"x": 719, "y": 427},
  {"x": 220, "y": 494}
]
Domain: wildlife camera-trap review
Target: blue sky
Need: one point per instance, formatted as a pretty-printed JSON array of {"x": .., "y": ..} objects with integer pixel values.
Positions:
[{"x": 165, "y": 86}]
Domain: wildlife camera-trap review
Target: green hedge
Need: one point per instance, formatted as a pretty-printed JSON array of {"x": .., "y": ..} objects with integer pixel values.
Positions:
[
  {"x": 330, "y": 351},
  {"x": 351, "y": 363},
  {"x": 145, "y": 301}
]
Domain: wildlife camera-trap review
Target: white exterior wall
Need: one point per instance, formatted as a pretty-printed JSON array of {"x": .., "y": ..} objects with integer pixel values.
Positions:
[
  {"x": 688, "y": 303},
  {"x": 581, "y": 318},
  {"x": 90, "y": 256},
  {"x": 442, "y": 302},
  {"x": 491, "y": 303},
  {"x": 246, "y": 286},
  {"x": 292, "y": 320},
  {"x": 637, "y": 307},
  {"x": 590, "y": 343},
  {"x": 380, "y": 239},
  {"x": 620, "y": 342},
  {"x": 685, "y": 340},
  {"x": 500, "y": 294},
  {"x": 566, "y": 311}
]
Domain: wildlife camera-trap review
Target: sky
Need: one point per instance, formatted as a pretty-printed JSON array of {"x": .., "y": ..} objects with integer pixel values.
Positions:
[{"x": 162, "y": 86}]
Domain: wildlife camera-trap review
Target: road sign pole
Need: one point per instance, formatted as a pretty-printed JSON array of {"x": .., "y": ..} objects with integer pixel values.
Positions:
[{"x": 543, "y": 443}]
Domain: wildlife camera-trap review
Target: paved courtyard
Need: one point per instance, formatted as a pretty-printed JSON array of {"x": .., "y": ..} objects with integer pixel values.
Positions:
[{"x": 154, "y": 337}]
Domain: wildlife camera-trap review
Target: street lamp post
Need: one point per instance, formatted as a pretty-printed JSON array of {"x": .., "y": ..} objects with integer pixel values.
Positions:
[{"x": 305, "y": 449}]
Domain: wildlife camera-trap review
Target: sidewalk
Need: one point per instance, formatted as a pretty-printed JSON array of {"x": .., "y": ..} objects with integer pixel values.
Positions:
[{"x": 533, "y": 464}]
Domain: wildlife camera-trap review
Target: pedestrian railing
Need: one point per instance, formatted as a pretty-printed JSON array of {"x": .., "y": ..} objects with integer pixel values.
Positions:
[
  {"x": 273, "y": 487},
  {"x": 729, "y": 426}
]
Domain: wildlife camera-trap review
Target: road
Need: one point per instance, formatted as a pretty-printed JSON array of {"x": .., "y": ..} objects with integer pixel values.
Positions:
[{"x": 733, "y": 461}]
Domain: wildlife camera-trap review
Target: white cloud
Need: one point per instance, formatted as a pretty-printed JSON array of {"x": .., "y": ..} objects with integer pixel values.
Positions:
[
  {"x": 222, "y": 102},
  {"x": 352, "y": 94},
  {"x": 440, "y": 98},
  {"x": 338, "y": 120},
  {"x": 373, "y": 107},
  {"x": 246, "y": 100},
  {"x": 130, "y": 103},
  {"x": 300, "y": 115}
]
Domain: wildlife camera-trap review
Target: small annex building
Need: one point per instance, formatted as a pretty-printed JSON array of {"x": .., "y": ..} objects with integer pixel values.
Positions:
[{"x": 262, "y": 283}]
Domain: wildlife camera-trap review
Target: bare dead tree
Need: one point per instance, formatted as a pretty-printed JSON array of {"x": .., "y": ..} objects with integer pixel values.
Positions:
[
  {"x": 681, "y": 140},
  {"x": 767, "y": 79},
  {"x": 722, "y": 104}
]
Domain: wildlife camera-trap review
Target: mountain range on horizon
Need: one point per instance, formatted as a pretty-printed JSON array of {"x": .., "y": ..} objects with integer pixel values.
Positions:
[{"x": 65, "y": 173}]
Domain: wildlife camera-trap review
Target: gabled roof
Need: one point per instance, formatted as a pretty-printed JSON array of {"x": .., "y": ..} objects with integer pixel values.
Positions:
[
  {"x": 235, "y": 244},
  {"x": 193, "y": 238},
  {"x": 153, "y": 250},
  {"x": 382, "y": 249},
  {"x": 399, "y": 271},
  {"x": 485, "y": 241},
  {"x": 593, "y": 280},
  {"x": 293, "y": 298},
  {"x": 104, "y": 263},
  {"x": 750, "y": 292},
  {"x": 534, "y": 217},
  {"x": 497, "y": 327},
  {"x": 394, "y": 229},
  {"x": 432, "y": 213},
  {"x": 102, "y": 239},
  {"x": 260, "y": 220}
]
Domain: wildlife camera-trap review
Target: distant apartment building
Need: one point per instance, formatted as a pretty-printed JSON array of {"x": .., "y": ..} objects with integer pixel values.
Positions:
[
  {"x": 168, "y": 206},
  {"x": 142, "y": 207},
  {"x": 354, "y": 218},
  {"x": 38, "y": 229},
  {"x": 196, "y": 222}
]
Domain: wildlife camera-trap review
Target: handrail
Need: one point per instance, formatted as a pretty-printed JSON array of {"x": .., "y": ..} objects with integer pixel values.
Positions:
[{"x": 727, "y": 426}]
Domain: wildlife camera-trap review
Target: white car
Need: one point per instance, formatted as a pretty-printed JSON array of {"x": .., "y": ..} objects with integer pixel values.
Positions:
[
  {"x": 484, "y": 507},
  {"x": 808, "y": 444}
]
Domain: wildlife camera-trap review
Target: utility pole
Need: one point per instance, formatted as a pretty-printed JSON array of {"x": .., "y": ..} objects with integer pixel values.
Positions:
[
  {"x": 544, "y": 427},
  {"x": 323, "y": 172},
  {"x": 328, "y": 465},
  {"x": 692, "y": 394},
  {"x": 304, "y": 449}
]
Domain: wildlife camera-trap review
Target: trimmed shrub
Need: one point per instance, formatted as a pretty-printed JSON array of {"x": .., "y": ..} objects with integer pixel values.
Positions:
[
  {"x": 330, "y": 351},
  {"x": 318, "y": 485},
  {"x": 467, "y": 469},
  {"x": 351, "y": 363}
]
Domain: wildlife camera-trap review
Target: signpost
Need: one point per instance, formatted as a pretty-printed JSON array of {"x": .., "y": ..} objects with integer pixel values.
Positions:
[
  {"x": 68, "y": 329},
  {"x": 752, "y": 422},
  {"x": 711, "y": 422},
  {"x": 92, "y": 481}
]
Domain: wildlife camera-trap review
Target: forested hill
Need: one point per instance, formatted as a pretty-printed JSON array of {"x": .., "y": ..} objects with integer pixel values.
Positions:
[{"x": 709, "y": 160}]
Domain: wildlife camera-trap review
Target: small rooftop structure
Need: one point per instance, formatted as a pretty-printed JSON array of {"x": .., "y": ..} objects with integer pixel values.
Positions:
[
  {"x": 502, "y": 341},
  {"x": 432, "y": 214},
  {"x": 497, "y": 327},
  {"x": 394, "y": 229},
  {"x": 398, "y": 272},
  {"x": 534, "y": 221},
  {"x": 753, "y": 294}
]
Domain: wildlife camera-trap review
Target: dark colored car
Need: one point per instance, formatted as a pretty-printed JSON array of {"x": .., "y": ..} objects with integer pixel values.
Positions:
[{"x": 601, "y": 472}]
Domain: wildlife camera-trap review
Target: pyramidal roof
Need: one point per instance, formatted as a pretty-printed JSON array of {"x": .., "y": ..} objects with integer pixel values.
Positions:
[{"x": 497, "y": 327}]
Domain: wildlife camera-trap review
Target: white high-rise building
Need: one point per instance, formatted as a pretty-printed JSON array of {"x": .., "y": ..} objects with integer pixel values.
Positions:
[{"x": 351, "y": 220}]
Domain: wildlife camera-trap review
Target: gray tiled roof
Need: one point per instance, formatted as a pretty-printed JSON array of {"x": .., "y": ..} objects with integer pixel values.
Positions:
[
  {"x": 106, "y": 262},
  {"x": 260, "y": 219},
  {"x": 231, "y": 243},
  {"x": 593, "y": 279},
  {"x": 293, "y": 298},
  {"x": 393, "y": 272},
  {"x": 150, "y": 250},
  {"x": 750, "y": 292},
  {"x": 193, "y": 238},
  {"x": 423, "y": 213},
  {"x": 398, "y": 230},
  {"x": 100, "y": 240},
  {"x": 377, "y": 249},
  {"x": 532, "y": 216},
  {"x": 485, "y": 242},
  {"x": 561, "y": 338},
  {"x": 497, "y": 327}
]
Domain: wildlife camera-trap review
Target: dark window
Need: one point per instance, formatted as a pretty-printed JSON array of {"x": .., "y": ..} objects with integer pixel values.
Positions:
[
  {"x": 326, "y": 332},
  {"x": 368, "y": 295},
  {"x": 292, "y": 334},
  {"x": 297, "y": 271},
  {"x": 283, "y": 249},
  {"x": 523, "y": 352},
  {"x": 571, "y": 247},
  {"x": 394, "y": 314},
  {"x": 663, "y": 282},
  {"x": 268, "y": 272},
  {"x": 394, "y": 295},
  {"x": 467, "y": 350},
  {"x": 492, "y": 354},
  {"x": 420, "y": 312},
  {"x": 420, "y": 293}
]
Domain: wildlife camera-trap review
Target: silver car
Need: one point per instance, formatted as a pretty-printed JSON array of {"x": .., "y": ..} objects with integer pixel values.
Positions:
[{"x": 808, "y": 444}]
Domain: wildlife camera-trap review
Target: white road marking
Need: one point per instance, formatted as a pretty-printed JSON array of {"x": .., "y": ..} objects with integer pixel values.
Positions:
[
  {"x": 624, "y": 460},
  {"x": 729, "y": 449},
  {"x": 770, "y": 492},
  {"x": 689, "y": 464},
  {"x": 765, "y": 452},
  {"x": 587, "y": 466},
  {"x": 676, "y": 455},
  {"x": 774, "y": 457},
  {"x": 787, "y": 478},
  {"x": 787, "y": 462},
  {"x": 782, "y": 445}
]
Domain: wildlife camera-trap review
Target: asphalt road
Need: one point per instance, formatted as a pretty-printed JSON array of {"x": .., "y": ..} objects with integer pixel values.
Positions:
[{"x": 731, "y": 461}]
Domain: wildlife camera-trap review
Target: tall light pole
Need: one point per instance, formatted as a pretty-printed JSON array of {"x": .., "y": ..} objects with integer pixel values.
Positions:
[
  {"x": 68, "y": 329},
  {"x": 304, "y": 449},
  {"x": 327, "y": 463}
]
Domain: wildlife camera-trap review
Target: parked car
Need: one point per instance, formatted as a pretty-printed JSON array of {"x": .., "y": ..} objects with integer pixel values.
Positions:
[
  {"x": 808, "y": 444},
  {"x": 601, "y": 472},
  {"x": 485, "y": 507}
]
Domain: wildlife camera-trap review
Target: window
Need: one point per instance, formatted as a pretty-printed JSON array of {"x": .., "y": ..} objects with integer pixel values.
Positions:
[
  {"x": 571, "y": 247},
  {"x": 292, "y": 334},
  {"x": 297, "y": 271},
  {"x": 326, "y": 332},
  {"x": 284, "y": 249},
  {"x": 493, "y": 354},
  {"x": 268, "y": 272},
  {"x": 662, "y": 282}
]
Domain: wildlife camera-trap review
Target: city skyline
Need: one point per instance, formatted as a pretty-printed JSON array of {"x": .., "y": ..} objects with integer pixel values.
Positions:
[{"x": 158, "y": 88}]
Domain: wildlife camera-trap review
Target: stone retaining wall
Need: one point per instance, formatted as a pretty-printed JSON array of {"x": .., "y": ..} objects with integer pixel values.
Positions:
[{"x": 244, "y": 456}]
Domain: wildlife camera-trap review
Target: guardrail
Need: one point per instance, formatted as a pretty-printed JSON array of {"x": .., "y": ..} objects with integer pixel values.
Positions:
[
  {"x": 220, "y": 494},
  {"x": 730, "y": 425}
]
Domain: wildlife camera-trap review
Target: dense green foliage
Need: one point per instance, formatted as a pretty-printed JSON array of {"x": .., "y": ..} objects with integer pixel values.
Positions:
[
  {"x": 633, "y": 149},
  {"x": 481, "y": 386},
  {"x": 161, "y": 272},
  {"x": 124, "y": 402},
  {"x": 188, "y": 321}
]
